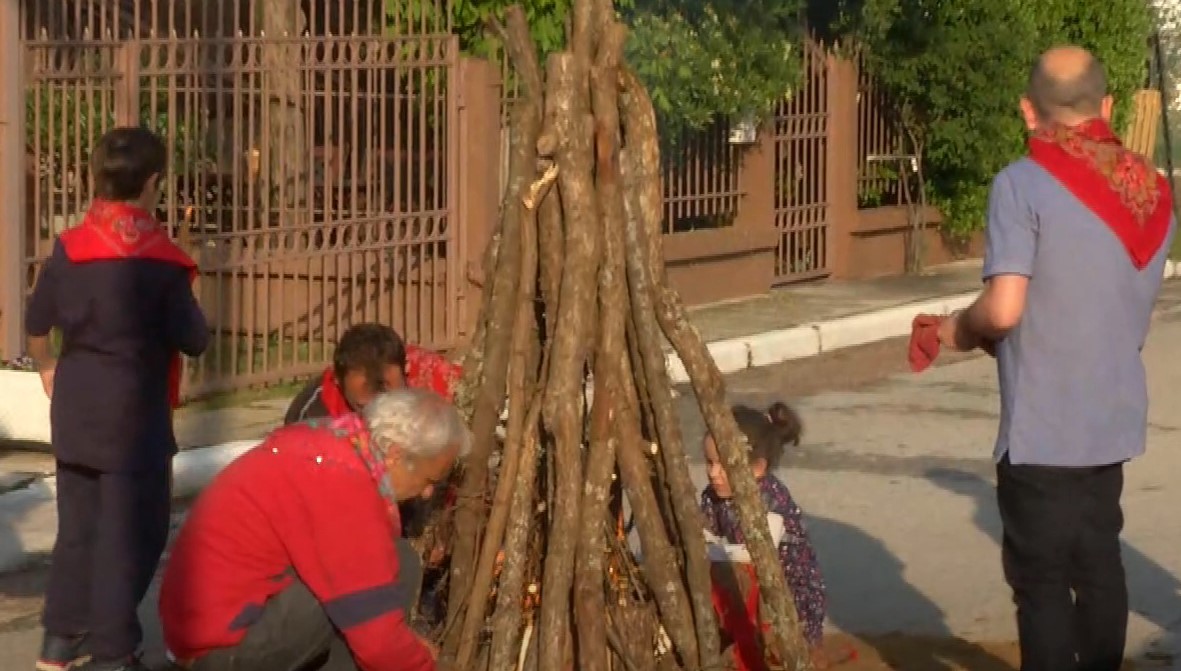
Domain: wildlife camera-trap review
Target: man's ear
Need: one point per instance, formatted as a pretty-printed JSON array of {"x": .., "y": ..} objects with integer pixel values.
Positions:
[
  {"x": 1106, "y": 108},
  {"x": 1028, "y": 113}
]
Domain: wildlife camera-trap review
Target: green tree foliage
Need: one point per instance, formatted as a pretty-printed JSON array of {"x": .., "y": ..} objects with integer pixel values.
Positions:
[
  {"x": 701, "y": 60},
  {"x": 954, "y": 71}
]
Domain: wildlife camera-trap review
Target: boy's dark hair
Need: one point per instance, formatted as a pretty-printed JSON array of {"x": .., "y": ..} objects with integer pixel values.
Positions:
[
  {"x": 768, "y": 432},
  {"x": 124, "y": 160},
  {"x": 369, "y": 348}
]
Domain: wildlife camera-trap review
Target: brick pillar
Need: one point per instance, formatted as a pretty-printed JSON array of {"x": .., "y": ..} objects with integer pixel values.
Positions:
[
  {"x": 12, "y": 181},
  {"x": 841, "y": 164},
  {"x": 479, "y": 178}
]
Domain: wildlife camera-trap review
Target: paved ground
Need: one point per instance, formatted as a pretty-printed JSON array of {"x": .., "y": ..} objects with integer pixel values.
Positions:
[{"x": 895, "y": 476}]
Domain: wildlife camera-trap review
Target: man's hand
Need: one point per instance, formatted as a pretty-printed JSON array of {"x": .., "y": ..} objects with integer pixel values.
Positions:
[{"x": 431, "y": 648}]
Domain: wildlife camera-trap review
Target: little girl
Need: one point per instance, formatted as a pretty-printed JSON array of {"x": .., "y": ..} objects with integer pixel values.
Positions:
[{"x": 768, "y": 433}]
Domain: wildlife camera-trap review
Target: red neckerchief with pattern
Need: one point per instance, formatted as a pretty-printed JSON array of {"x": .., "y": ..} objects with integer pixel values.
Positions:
[
  {"x": 424, "y": 370},
  {"x": 430, "y": 370},
  {"x": 332, "y": 396},
  {"x": 112, "y": 231},
  {"x": 1120, "y": 186}
]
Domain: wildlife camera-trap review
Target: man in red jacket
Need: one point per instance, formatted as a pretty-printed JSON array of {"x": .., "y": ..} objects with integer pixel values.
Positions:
[{"x": 292, "y": 559}]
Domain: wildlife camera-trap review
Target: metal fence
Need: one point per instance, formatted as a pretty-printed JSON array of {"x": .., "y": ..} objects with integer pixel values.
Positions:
[
  {"x": 312, "y": 179},
  {"x": 878, "y": 145},
  {"x": 314, "y": 170},
  {"x": 701, "y": 189},
  {"x": 801, "y": 188}
]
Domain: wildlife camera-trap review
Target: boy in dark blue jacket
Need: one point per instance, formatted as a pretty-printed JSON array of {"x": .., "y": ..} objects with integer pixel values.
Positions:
[{"x": 120, "y": 292}]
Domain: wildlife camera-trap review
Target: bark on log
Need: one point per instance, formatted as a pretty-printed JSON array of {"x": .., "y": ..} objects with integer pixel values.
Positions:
[
  {"x": 499, "y": 314},
  {"x": 682, "y": 493},
  {"x": 473, "y": 360},
  {"x": 590, "y": 602},
  {"x": 572, "y": 340},
  {"x": 643, "y": 160},
  {"x": 527, "y": 122},
  {"x": 506, "y": 618},
  {"x": 659, "y": 559}
]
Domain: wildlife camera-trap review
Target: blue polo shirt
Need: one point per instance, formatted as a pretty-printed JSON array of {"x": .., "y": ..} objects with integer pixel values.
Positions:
[{"x": 1072, "y": 382}]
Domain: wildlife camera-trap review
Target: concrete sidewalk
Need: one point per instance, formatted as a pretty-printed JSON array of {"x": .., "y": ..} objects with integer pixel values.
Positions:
[{"x": 787, "y": 323}]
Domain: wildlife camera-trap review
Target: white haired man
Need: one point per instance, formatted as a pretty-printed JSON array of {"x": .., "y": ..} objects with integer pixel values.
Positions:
[{"x": 292, "y": 559}]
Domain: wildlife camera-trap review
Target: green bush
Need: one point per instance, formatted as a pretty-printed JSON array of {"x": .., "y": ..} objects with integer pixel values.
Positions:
[{"x": 954, "y": 72}]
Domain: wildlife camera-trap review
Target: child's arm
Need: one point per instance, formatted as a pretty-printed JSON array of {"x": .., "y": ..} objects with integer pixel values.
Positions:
[
  {"x": 719, "y": 550},
  {"x": 188, "y": 331},
  {"x": 41, "y": 313}
]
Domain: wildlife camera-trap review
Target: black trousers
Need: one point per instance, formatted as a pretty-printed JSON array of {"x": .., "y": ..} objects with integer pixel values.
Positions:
[
  {"x": 1061, "y": 555},
  {"x": 293, "y": 633},
  {"x": 112, "y": 528}
]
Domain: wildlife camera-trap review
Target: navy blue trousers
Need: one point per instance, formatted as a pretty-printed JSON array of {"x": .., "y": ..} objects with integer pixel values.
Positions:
[{"x": 112, "y": 528}]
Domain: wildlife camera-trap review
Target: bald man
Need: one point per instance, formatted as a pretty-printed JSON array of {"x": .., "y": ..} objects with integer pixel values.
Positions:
[{"x": 1078, "y": 233}]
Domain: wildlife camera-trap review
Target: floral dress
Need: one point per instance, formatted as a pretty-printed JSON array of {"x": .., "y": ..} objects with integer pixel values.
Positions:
[{"x": 800, "y": 566}]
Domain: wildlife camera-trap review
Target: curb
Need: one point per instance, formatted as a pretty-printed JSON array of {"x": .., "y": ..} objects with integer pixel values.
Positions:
[{"x": 807, "y": 340}]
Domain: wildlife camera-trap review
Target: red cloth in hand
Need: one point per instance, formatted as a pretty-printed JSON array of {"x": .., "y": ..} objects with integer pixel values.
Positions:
[{"x": 924, "y": 341}]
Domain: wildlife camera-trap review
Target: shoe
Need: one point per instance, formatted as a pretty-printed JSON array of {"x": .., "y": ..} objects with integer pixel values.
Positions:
[
  {"x": 129, "y": 664},
  {"x": 61, "y": 653}
]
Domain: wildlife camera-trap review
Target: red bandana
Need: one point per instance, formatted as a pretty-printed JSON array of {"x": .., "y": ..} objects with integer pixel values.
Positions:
[
  {"x": 112, "y": 231},
  {"x": 333, "y": 397},
  {"x": 1121, "y": 187},
  {"x": 430, "y": 370}
]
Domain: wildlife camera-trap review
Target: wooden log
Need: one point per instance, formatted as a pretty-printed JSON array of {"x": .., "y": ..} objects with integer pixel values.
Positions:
[
  {"x": 682, "y": 493},
  {"x": 498, "y": 314},
  {"x": 527, "y": 122},
  {"x": 589, "y": 602},
  {"x": 506, "y": 618},
  {"x": 641, "y": 162},
  {"x": 569, "y": 110}
]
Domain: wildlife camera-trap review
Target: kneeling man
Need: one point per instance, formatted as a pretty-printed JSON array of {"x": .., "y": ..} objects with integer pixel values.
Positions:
[{"x": 293, "y": 560}]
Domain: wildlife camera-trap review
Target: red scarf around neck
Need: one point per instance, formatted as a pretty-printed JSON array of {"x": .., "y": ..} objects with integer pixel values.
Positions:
[
  {"x": 332, "y": 396},
  {"x": 113, "y": 231},
  {"x": 424, "y": 370},
  {"x": 1120, "y": 186}
]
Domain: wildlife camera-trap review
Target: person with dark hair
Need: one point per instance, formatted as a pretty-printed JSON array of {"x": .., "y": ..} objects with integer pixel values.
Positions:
[
  {"x": 768, "y": 434},
  {"x": 1074, "y": 397},
  {"x": 369, "y": 359},
  {"x": 120, "y": 294}
]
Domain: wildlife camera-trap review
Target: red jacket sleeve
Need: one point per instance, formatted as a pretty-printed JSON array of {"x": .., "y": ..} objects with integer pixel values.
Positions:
[{"x": 342, "y": 546}]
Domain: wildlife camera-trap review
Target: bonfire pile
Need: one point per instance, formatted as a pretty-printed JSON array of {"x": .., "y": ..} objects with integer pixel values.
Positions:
[{"x": 576, "y": 292}]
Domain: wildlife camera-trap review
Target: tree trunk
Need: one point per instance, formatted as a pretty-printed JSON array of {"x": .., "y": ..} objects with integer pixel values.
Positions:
[{"x": 285, "y": 169}]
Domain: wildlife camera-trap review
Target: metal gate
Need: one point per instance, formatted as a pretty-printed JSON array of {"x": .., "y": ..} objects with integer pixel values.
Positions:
[
  {"x": 311, "y": 177},
  {"x": 801, "y": 194}
]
